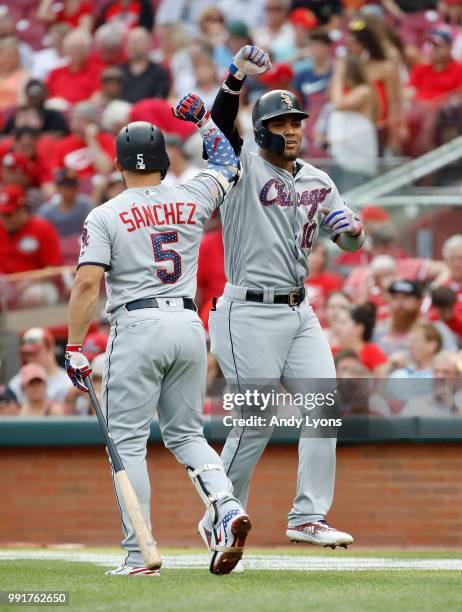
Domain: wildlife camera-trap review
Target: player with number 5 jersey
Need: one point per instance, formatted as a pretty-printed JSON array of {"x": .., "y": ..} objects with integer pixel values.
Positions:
[{"x": 146, "y": 241}]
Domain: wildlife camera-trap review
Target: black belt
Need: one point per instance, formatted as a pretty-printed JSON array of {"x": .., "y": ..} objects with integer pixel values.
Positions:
[
  {"x": 294, "y": 298},
  {"x": 188, "y": 303}
]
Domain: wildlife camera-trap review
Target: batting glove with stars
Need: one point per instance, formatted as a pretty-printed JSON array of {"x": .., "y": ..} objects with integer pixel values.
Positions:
[
  {"x": 77, "y": 366},
  {"x": 249, "y": 61},
  {"x": 191, "y": 108},
  {"x": 342, "y": 220}
]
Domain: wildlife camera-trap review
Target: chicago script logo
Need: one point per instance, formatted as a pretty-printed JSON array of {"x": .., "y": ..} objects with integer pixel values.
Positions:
[{"x": 275, "y": 193}]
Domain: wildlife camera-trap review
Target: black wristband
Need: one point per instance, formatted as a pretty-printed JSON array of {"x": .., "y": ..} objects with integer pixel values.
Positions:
[{"x": 233, "y": 83}]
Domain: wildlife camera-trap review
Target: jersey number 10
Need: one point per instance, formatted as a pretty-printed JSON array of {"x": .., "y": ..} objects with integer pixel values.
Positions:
[{"x": 161, "y": 254}]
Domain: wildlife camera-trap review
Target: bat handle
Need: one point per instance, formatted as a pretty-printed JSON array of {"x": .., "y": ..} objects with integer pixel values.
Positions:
[{"x": 111, "y": 447}]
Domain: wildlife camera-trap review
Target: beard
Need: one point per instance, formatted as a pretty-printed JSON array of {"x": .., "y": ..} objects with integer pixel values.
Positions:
[
  {"x": 290, "y": 156},
  {"x": 402, "y": 321}
]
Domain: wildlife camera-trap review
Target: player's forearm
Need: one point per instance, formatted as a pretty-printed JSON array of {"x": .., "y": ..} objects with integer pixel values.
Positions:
[
  {"x": 349, "y": 243},
  {"x": 226, "y": 104},
  {"x": 82, "y": 307},
  {"x": 221, "y": 156}
]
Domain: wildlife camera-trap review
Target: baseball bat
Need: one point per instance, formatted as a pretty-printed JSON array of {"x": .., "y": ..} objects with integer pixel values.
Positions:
[{"x": 144, "y": 537}]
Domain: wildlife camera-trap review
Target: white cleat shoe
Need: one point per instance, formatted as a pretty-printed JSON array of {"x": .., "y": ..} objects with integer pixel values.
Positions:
[
  {"x": 128, "y": 570},
  {"x": 320, "y": 533},
  {"x": 205, "y": 534},
  {"x": 227, "y": 541}
]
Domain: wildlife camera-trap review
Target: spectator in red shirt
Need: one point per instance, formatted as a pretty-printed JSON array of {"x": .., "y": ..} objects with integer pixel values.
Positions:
[
  {"x": 127, "y": 14},
  {"x": 80, "y": 78},
  {"x": 442, "y": 75},
  {"x": 76, "y": 13},
  {"x": 17, "y": 169},
  {"x": 353, "y": 329},
  {"x": 211, "y": 277},
  {"x": 320, "y": 281},
  {"x": 86, "y": 150},
  {"x": 28, "y": 144},
  {"x": 452, "y": 253},
  {"x": 26, "y": 242}
]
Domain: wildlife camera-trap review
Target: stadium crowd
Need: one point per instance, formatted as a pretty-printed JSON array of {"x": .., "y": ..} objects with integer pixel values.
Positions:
[{"x": 379, "y": 80}]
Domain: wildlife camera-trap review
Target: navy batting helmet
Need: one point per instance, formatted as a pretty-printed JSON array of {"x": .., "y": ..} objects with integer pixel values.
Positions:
[
  {"x": 273, "y": 104},
  {"x": 141, "y": 146}
]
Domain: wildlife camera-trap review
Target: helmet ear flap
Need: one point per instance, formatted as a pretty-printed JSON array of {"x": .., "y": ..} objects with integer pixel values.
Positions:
[
  {"x": 163, "y": 172},
  {"x": 268, "y": 140}
]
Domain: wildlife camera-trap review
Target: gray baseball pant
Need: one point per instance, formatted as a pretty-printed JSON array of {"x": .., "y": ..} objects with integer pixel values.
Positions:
[
  {"x": 157, "y": 359},
  {"x": 268, "y": 343}
]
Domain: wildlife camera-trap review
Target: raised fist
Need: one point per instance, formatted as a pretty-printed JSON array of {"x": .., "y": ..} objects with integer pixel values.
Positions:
[
  {"x": 249, "y": 61},
  {"x": 191, "y": 108}
]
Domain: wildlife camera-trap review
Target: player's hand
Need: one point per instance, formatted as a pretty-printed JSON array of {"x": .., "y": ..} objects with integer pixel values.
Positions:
[
  {"x": 77, "y": 366},
  {"x": 342, "y": 220},
  {"x": 191, "y": 108},
  {"x": 249, "y": 61}
]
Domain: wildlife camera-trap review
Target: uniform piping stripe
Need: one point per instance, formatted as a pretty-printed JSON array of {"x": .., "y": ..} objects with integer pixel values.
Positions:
[{"x": 238, "y": 386}]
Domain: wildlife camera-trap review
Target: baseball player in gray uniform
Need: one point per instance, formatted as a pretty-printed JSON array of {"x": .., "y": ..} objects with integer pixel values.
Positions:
[
  {"x": 146, "y": 241},
  {"x": 263, "y": 328}
]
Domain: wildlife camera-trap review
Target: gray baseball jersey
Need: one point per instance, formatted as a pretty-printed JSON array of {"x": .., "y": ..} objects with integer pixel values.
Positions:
[
  {"x": 270, "y": 220},
  {"x": 148, "y": 239}
]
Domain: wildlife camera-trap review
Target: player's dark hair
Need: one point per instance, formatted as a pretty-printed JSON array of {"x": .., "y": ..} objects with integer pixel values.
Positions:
[{"x": 364, "y": 315}]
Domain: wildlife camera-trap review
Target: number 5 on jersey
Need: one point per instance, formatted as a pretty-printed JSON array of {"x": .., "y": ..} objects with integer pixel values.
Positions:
[{"x": 161, "y": 254}]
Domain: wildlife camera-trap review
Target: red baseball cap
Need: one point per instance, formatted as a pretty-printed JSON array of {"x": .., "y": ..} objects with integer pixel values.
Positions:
[
  {"x": 278, "y": 73},
  {"x": 374, "y": 213},
  {"x": 12, "y": 197},
  {"x": 94, "y": 344},
  {"x": 304, "y": 17}
]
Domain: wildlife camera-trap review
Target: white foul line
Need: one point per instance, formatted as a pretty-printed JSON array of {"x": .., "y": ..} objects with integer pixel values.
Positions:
[{"x": 251, "y": 561}]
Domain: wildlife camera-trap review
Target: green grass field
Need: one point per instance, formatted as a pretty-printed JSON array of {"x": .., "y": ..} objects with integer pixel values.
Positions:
[{"x": 254, "y": 590}]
